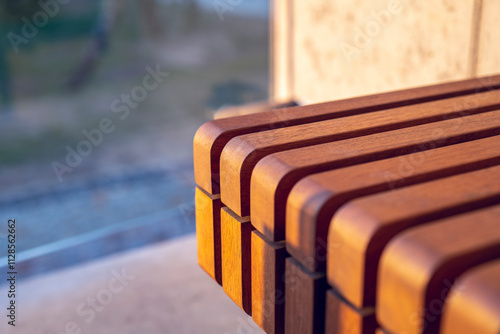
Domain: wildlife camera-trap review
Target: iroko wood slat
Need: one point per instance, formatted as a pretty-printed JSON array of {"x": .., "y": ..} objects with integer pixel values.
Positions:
[
  {"x": 373, "y": 149},
  {"x": 369, "y": 223},
  {"x": 237, "y": 281},
  {"x": 242, "y": 153},
  {"x": 418, "y": 267},
  {"x": 304, "y": 300},
  {"x": 362, "y": 228},
  {"x": 211, "y": 137},
  {"x": 473, "y": 303},
  {"x": 268, "y": 283},
  {"x": 343, "y": 318},
  {"x": 315, "y": 199},
  {"x": 374, "y": 121},
  {"x": 275, "y": 175},
  {"x": 242, "y": 240},
  {"x": 236, "y": 258},
  {"x": 208, "y": 233}
]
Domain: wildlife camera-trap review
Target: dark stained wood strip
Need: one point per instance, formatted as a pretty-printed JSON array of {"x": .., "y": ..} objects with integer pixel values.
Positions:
[
  {"x": 242, "y": 153},
  {"x": 473, "y": 304},
  {"x": 208, "y": 233},
  {"x": 268, "y": 284},
  {"x": 418, "y": 267},
  {"x": 314, "y": 200},
  {"x": 362, "y": 228},
  {"x": 212, "y": 137},
  {"x": 275, "y": 175}
]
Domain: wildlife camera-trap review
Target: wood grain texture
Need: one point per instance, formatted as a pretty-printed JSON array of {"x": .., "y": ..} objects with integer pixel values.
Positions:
[
  {"x": 236, "y": 258},
  {"x": 362, "y": 228},
  {"x": 207, "y": 211},
  {"x": 242, "y": 153},
  {"x": 211, "y": 137},
  {"x": 268, "y": 284},
  {"x": 342, "y": 318},
  {"x": 304, "y": 300},
  {"x": 275, "y": 175},
  {"x": 314, "y": 200},
  {"x": 418, "y": 267},
  {"x": 473, "y": 304}
]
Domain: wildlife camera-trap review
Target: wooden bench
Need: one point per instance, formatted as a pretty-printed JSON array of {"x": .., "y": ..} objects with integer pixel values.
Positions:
[{"x": 315, "y": 219}]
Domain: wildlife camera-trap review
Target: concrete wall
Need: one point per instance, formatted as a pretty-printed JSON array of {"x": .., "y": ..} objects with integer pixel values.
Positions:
[{"x": 332, "y": 49}]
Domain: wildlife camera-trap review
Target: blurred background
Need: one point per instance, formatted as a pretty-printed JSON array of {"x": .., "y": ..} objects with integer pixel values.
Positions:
[{"x": 99, "y": 103}]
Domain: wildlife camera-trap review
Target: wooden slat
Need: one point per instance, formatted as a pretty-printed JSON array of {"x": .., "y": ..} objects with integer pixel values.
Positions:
[
  {"x": 211, "y": 137},
  {"x": 342, "y": 318},
  {"x": 236, "y": 258},
  {"x": 418, "y": 267},
  {"x": 304, "y": 300},
  {"x": 315, "y": 199},
  {"x": 473, "y": 303},
  {"x": 242, "y": 153},
  {"x": 208, "y": 233},
  {"x": 354, "y": 264},
  {"x": 275, "y": 175},
  {"x": 268, "y": 284},
  {"x": 361, "y": 229},
  {"x": 240, "y": 240}
]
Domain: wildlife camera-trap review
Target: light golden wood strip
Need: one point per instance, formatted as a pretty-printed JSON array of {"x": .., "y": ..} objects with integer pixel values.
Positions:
[
  {"x": 268, "y": 284},
  {"x": 418, "y": 267},
  {"x": 275, "y": 175},
  {"x": 236, "y": 258},
  {"x": 314, "y": 200},
  {"x": 473, "y": 304},
  {"x": 208, "y": 233},
  {"x": 242, "y": 153},
  {"x": 342, "y": 318},
  {"x": 304, "y": 300},
  {"x": 211, "y": 137}
]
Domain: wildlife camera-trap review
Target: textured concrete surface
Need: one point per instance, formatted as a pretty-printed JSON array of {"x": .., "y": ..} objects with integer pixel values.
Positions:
[
  {"x": 327, "y": 50},
  {"x": 157, "y": 289},
  {"x": 489, "y": 43},
  {"x": 347, "y": 48}
]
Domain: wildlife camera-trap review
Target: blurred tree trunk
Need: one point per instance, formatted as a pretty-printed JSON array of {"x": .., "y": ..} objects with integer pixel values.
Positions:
[
  {"x": 151, "y": 20},
  {"x": 109, "y": 13},
  {"x": 192, "y": 16}
]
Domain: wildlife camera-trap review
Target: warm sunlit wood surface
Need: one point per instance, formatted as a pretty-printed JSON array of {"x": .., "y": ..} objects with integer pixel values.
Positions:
[{"x": 301, "y": 211}]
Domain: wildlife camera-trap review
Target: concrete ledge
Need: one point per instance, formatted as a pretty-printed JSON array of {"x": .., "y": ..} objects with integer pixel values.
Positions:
[{"x": 157, "y": 289}]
